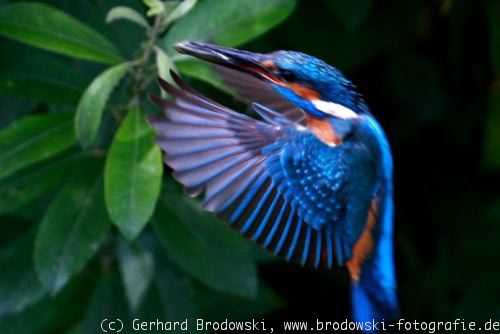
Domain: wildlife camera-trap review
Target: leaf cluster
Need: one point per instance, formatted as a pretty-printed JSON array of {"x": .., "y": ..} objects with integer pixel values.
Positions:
[{"x": 99, "y": 230}]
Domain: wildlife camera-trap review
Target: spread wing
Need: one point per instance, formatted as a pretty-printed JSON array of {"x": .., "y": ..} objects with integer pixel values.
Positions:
[{"x": 271, "y": 179}]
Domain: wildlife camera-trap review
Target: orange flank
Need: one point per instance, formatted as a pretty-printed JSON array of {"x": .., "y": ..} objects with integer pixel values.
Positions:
[
  {"x": 323, "y": 130},
  {"x": 304, "y": 91},
  {"x": 363, "y": 248}
]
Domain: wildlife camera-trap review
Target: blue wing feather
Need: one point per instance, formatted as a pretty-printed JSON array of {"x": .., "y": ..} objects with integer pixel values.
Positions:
[
  {"x": 318, "y": 250},
  {"x": 291, "y": 248},
  {"x": 276, "y": 183},
  {"x": 283, "y": 236},
  {"x": 305, "y": 251}
]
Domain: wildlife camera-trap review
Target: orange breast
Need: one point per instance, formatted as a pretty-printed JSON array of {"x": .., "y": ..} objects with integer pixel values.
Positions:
[{"x": 323, "y": 130}]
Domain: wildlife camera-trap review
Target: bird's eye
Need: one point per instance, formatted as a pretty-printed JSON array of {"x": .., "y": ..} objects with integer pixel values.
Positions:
[{"x": 287, "y": 75}]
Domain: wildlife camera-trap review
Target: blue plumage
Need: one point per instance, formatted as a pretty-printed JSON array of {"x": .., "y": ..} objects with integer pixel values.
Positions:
[
  {"x": 326, "y": 79},
  {"x": 311, "y": 180}
]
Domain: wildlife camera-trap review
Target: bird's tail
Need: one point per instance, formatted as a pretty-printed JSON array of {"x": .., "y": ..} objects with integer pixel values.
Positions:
[{"x": 372, "y": 300}]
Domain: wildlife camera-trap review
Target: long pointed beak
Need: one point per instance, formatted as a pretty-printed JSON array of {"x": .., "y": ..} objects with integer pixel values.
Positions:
[{"x": 249, "y": 62}]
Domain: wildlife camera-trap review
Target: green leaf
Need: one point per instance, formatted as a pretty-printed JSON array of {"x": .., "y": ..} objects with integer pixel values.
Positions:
[
  {"x": 29, "y": 183},
  {"x": 164, "y": 64},
  {"x": 51, "y": 314},
  {"x": 182, "y": 9},
  {"x": 175, "y": 295},
  {"x": 136, "y": 268},
  {"x": 492, "y": 132},
  {"x": 33, "y": 74},
  {"x": 17, "y": 108},
  {"x": 156, "y": 7},
  {"x": 48, "y": 28},
  {"x": 19, "y": 286},
  {"x": 228, "y": 22},
  {"x": 126, "y": 13},
  {"x": 72, "y": 229},
  {"x": 216, "y": 306},
  {"x": 203, "y": 246},
  {"x": 107, "y": 302},
  {"x": 170, "y": 295},
  {"x": 89, "y": 111},
  {"x": 133, "y": 175},
  {"x": 34, "y": 138}
]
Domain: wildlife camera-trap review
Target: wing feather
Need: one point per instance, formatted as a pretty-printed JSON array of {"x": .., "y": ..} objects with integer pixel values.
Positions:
[{"x": 278, "y": 185}]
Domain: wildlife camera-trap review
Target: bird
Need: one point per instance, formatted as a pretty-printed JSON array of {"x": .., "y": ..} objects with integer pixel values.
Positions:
[{"x": 306, "y": 172}]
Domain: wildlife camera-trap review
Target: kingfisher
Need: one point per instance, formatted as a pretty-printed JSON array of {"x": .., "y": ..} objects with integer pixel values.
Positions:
[{"x": 306, "y": 172}]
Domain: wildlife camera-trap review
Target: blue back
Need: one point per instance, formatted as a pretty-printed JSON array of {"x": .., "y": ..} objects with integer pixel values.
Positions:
[{"x": 374, "y": 296}]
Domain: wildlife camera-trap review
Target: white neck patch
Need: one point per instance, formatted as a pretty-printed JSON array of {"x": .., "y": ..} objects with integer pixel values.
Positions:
[{"x": 334, "y": 109}]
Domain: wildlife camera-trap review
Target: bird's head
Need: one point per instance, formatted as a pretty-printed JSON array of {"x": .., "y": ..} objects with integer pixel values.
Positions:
[{"x": 316, "y": 87}]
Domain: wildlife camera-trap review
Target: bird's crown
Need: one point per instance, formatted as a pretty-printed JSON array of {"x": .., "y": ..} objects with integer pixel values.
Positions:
[{"x": 325, "y": 82}]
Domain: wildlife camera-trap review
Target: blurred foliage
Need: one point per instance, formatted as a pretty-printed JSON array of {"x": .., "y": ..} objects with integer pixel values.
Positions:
[
  {"x": 91, "y": 229},
  {"x": 78, "y": 157}
]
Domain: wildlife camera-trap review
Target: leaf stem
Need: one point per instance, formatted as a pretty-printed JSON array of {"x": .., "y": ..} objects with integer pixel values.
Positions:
[{"x": 139, "y": 74}]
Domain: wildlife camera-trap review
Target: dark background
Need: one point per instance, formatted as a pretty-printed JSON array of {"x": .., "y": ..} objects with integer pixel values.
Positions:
[{"x": 429, "y": 72}]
